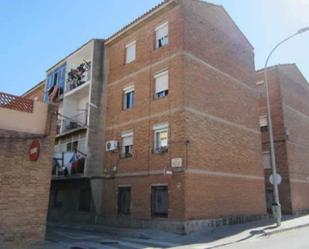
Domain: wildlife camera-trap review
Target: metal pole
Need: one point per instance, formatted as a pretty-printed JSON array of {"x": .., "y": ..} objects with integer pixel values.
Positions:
[{"x": 270, "y": 128}]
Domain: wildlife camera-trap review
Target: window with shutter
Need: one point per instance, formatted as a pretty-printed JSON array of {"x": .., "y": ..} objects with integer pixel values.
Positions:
[
  {"x": 162, "y": 35},
  {"x": 127, "y": 144},
  {"x": 264, "y": 123},
  {"x": 161, "y": 84},
  {"x": 267, "y": 160},
  {"x": 160, "y": 138},
  {"x": 131, "y": 52}
]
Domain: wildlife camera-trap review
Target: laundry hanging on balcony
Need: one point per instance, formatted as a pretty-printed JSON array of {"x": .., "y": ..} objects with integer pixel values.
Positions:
[{"x": 53, "y": 93}]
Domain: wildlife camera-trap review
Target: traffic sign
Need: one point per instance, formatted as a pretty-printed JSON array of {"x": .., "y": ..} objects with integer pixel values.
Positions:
[
  {"x": 278, "y": 179},
  {"x": 34, "y": 151}
]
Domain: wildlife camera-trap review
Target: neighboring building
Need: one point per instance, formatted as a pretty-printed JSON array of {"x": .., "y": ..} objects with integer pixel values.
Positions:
[
  {"x": 289, "y": 94},
  {"x": 24, "y": 170},
  {"x": 75, "y": 83},
  {"x": 36, "y": 93},
  {"x": 182, "y": 133}
]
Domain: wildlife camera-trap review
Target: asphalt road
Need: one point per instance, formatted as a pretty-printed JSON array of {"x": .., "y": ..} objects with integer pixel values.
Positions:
[
  {"x": 294, "y": 239},
  {"x": 230, "y": 237}
]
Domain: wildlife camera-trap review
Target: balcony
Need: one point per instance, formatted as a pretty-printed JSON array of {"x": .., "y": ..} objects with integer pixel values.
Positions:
[
  {"x": 75, "y": 122},
  {"x": 68, "y": 164},
  {"x": 78, "y": 77}
]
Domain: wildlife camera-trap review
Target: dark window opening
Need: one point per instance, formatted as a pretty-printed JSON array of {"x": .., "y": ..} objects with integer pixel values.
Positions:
[
  {"x": 128, "y": 100},
  {"x": 127, "y": 151},
  {"x": 162, "y": 42},
  {"x": 161, "y": 94},
  {"x": 264, "y": 128},
  {"x": 72, "y": 146},
  {"x": 57, "y": 199},
  {"x": 124, "y": 200},
  {"x": 84, "y": 199},
  {"x": 269, "y": 200},
  {"x": 159, "y": 201}
]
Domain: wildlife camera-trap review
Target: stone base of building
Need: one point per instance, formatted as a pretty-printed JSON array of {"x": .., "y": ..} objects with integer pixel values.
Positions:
[
  {"x": 178, "y": 226},
  {"x": 301, "y": 212},
  {"x": 19, "y": 241}
]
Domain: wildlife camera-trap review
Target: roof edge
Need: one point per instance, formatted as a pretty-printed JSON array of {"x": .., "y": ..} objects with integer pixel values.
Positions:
[
  {"x": 73, "y": 52},
  {"x": 42, "y": 82},
  {"x": 139, "y": 19}
]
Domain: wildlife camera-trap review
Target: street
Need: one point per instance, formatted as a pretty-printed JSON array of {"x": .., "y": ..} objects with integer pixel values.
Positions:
[
  {"x": 229, "y": 237},
  {"x": 294, "y": 239}
]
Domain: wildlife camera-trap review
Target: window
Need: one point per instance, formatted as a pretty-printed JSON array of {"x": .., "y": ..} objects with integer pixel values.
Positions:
[
  {"x": 162, "y": 35},
  {"x": 131, "y": 52},
  {"x": 160, "y": 138},
  {"x": 84, "y": 199},
  {"x": 161, "y": 84},
  {"x": 72, "y": 146},
  {"x": 124, "y": 200},
  {"x": 127, "y": 144},
  {"x": 128, "y": 97},
  {"x": 159, "y": 201},
  {"x": 55, "y": 84},
  {"x": 267, "y": 160},
  {"x": 264, "y": 123}
]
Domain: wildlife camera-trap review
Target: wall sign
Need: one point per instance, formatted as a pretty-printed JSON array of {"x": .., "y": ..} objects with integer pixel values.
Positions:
[
  {"x": 176, "y": 162},
  {"x": 34, "y": 151}
]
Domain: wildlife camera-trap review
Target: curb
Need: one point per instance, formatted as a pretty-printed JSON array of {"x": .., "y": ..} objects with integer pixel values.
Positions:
[
  {"x": 102, "y": 229},
  {"x": 285, "y": 229}
]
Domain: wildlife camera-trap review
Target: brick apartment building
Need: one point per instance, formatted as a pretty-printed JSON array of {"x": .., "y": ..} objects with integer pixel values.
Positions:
[
  {"x": 170, "y": 130},
  {"x": 182, "y": 132},
  {"x": 289, "y": 94},
  {"x": 27, "y": 131}
]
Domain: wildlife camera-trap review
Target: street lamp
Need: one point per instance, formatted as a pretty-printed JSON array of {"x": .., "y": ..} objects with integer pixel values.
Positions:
[{"x": 277, "y": 207}]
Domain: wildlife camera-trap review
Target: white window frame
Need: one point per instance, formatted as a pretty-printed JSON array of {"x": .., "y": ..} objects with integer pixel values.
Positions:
[
  {"x": 264, "y": 164},
  {"x": 130, "y": 58},
  {"x": 125, "y": 91},
  {"x": 263, "y": 121},
  {"x": 125, "y": 135},
  {"x": 161, "y": 91},
  {"x": 159, "y": 128},
  {"x": 261, "y": 82},
  {"x": 162, "y": 34}
]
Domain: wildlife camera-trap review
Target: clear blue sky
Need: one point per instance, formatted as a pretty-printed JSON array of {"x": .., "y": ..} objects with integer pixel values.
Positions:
[{"x": 36, "y": 34}]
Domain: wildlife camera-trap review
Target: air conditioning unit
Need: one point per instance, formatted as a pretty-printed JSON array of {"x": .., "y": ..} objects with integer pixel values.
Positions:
[{"x": 111, "y": 145}]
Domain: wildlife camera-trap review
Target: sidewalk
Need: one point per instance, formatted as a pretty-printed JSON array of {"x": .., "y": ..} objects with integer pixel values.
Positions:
[
  {"x": 289, "y": 223},
  {"x": 218, "y": 237}
]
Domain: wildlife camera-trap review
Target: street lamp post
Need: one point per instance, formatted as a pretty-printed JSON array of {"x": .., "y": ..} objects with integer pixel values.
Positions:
[{"x": 277, "y": 207}]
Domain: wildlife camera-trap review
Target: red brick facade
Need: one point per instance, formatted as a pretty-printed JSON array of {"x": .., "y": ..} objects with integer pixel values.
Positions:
[
  {"x": 211, "y": 110},
  {"x": 288, "y": 96}
]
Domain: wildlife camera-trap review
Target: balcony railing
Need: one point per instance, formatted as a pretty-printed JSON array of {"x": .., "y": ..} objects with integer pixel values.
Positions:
[
  {"x": 68, "y": 164},
  {"x": 75, "y": 122},
  {"x": 16, "y": 103}
]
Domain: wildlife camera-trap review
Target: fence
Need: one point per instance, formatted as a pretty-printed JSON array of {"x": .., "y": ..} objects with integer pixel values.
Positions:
[{"x": 16, "y": 103}]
